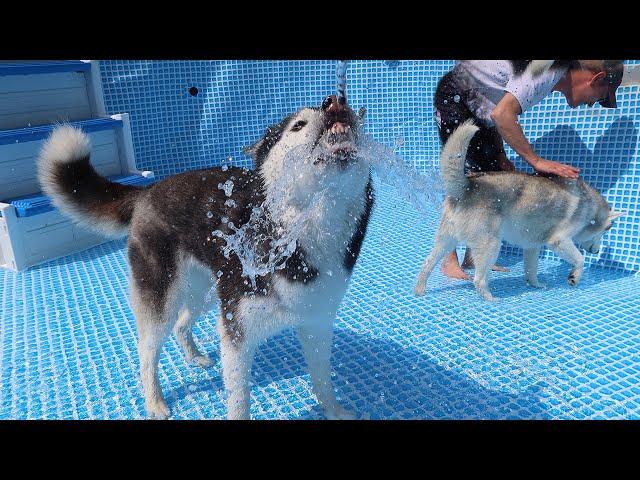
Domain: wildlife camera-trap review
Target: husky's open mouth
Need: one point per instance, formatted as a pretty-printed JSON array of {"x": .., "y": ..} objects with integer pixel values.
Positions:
[
  {"x": 339, "y": 139},
  {"x": 339, "y": 151}
]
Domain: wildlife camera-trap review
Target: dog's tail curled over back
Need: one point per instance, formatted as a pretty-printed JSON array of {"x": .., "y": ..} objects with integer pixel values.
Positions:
[
  {"x": 453, "y": 157},
  {"x": 77, "y": 190}
]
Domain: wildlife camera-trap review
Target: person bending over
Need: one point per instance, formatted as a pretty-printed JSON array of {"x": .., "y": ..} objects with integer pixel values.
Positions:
[{"x": 494, "y": 92}]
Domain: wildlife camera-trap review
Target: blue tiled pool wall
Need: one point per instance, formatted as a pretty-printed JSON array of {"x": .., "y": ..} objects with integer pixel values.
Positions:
[{"x": 174, "y": 130}]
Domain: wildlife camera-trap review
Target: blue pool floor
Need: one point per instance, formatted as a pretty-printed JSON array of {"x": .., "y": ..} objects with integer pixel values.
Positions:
[{"x": 68, "y": 342}]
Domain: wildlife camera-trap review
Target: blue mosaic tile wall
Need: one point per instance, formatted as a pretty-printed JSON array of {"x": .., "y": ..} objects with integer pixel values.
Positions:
[{"x": 236, "y": 100}]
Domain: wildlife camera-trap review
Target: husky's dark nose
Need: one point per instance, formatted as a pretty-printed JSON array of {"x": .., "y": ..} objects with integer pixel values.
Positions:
[{"x": 332, "y": 104}]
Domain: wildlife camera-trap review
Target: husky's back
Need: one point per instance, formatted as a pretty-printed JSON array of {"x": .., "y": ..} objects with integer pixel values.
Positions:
[{"x": 529, "y": 208}]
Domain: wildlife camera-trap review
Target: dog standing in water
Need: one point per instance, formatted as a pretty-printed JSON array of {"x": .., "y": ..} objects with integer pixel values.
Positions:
[
  {"x": 177, "y": 255},
  {"x": 481, "y": 210}
]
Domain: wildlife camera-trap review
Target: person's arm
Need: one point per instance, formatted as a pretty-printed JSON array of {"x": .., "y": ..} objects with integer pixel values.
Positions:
[{"x": 505, "y": 116}]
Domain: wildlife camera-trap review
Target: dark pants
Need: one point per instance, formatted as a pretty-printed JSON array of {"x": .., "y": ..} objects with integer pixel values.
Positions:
[{"x": 451, "y": 110}]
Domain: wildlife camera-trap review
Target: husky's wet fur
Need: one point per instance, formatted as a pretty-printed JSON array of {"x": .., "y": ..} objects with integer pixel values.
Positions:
[
  {"x": 176, "y": 259},
  {"x": 530, "y": 211}
]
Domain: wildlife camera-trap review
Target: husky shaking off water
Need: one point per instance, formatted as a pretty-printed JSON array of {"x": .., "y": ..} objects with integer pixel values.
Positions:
[
  {"x": 530, "y": 211},
  {"x": 176, "y": 245}
]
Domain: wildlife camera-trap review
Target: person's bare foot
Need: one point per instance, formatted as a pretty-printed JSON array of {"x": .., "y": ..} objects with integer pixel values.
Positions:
[
  {"x": 468, "y": 263},
  {"x": 451, "y": 268}
]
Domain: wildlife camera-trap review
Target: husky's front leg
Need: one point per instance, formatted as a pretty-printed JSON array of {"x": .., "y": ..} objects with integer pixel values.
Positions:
[
  {"x": 316, "y": 336},
  {"x": 567, "y": 250},
  {"x": 237, "y": 358}
]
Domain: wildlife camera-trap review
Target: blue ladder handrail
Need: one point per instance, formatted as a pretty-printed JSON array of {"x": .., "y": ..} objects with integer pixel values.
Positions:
[
  {"x": 34, "y": 67},
  {"x": 30, "y": 134}
]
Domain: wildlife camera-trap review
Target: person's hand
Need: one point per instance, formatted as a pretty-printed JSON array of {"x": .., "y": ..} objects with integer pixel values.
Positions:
[{"x": 548, "y": 167}]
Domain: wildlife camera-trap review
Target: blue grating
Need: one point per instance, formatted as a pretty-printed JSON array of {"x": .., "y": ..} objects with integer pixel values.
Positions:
[
  {"x": 68, "y": 350},
  {"x": 174, "y": 131}
]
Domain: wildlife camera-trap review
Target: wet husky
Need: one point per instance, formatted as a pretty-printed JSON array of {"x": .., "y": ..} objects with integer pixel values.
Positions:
[
  {"x": 178, "y": 229},
  {"x": 529, "y": 211}
]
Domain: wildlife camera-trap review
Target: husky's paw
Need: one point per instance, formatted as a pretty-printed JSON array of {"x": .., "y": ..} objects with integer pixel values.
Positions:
[
  {"x": 488, "y": 297},
  {"x": 202, "y": 361},
  {"x": 535, "y": 284},
  {"x": 157, "y": 409},
  {"x": 574, "y": 278},
  {"x": 339, "y": 413}
]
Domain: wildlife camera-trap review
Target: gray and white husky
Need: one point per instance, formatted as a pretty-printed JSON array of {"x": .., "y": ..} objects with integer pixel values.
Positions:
[
  {"x": 176, "y": 244},
  {"x": 529, "y": 211}
]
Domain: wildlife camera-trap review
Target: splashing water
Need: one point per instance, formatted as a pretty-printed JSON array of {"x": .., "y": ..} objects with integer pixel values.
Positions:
[
  {"x": 424, "y": 191},
  {"x": 303, "y": 204},
  {"x": 260, "y": 251}
]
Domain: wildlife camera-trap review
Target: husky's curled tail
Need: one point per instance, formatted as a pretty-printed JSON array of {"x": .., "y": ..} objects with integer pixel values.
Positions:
[
  {"x": 452, "y": 159},
  {"x": 77, "y": 190}
]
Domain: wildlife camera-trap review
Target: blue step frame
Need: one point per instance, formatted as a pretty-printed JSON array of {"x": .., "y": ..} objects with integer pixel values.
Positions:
[{"x": 36, "y": 67}]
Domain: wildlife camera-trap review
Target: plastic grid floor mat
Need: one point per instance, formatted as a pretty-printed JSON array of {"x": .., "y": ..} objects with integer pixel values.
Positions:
[{"x": 68, "y": 342}]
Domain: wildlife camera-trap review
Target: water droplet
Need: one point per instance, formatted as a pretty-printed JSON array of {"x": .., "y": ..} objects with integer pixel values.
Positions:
[
  {"x": 224, "y": 168},
  {"x": 456, "y": 98},
  {"x": 209, "y": 215},
  {"x": 227, "y": 187},
  {"x": 229, "y": 316}
]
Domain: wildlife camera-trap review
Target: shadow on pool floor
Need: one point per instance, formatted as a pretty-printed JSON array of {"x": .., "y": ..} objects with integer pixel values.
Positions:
[{"x": 378, "y": 379}]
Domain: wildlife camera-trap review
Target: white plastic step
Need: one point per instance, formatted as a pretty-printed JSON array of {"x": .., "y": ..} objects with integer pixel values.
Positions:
[
  {"x": 36, "y": 93},
  {"x": 31, "y": 231}
]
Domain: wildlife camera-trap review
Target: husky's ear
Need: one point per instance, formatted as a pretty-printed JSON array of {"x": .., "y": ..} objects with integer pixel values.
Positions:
[{"x": 613, "y": 215}]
